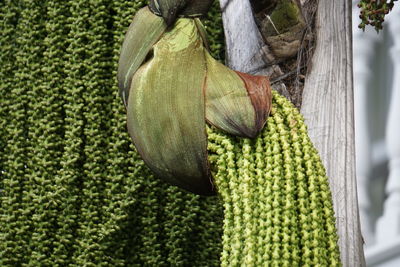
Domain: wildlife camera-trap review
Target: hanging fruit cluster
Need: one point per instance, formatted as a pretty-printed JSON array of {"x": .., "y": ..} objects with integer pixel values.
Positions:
[{"x": 373, "y": 12}]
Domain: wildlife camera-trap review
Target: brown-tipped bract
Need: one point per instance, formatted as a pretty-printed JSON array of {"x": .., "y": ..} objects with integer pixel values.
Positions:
[
  {"x": 174, "y": 93},
  {"x": 237, "y": 103}
]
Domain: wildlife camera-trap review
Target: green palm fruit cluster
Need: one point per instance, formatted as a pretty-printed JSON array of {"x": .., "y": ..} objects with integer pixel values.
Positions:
[
  {"x": 373, "y": 12},
  {"x": 277, "y": 202},
  {"x": 74, "y": 191}
]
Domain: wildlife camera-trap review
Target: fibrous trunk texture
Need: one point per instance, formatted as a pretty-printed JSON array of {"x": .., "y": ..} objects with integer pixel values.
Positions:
[{"x": 73, "y": 191}]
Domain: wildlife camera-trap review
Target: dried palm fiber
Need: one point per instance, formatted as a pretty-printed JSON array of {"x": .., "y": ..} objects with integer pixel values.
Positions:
[{"x": 75, "y": 193}]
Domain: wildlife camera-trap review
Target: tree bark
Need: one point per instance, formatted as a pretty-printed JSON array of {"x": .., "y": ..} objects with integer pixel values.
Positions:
[
  {"x": 327, "y": 102},
  {"x": 328, "y": 110},
  {"x": 244, "y": 43}
]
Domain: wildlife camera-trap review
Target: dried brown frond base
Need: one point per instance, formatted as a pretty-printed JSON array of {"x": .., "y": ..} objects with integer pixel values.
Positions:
[{"x": 291, "y": 71}]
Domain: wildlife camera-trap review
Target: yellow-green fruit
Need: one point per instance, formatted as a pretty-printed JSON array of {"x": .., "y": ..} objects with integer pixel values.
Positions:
[{"x": 278, "y": 207}]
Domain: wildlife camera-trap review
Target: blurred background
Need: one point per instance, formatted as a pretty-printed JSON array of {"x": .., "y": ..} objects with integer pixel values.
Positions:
[{"x": 377, "y": 118}]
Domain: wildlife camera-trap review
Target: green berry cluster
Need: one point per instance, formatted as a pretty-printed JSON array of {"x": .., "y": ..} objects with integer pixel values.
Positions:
[
  {"x": 74, "y": 192},
  {"x": 373, "y": 12},
  {"x": 276, "y": 196},
  {"x": 215, "y": 31}
]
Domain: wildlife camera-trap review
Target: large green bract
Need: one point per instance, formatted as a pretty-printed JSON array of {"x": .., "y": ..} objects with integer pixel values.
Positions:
[
  {"x": 176, "y": 90},
  {"x": 228, "y": 105},
  {"x": 166, "y": 109},
  {"x": 133, "y": 53}
]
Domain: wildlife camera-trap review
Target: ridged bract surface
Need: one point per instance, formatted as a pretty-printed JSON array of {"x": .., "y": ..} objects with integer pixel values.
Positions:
[{"x": 73, "y": 191}]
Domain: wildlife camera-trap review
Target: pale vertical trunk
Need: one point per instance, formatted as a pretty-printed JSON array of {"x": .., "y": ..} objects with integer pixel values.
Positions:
[
  {"x": 244, "y": 55},
  {"x": 327, "y": 103},
  {"x": 328, "y": 110}
]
